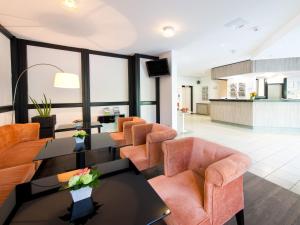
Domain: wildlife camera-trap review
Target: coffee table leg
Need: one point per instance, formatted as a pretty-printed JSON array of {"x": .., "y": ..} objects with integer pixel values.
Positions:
[
  {"x": 80, "y": 160},
  {"x": 114, "y": 150}
]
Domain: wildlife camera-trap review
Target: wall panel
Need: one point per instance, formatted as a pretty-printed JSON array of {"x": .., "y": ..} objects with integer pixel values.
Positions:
[
  {"x": 5, "y": 118},
  {"x": 147, "y": 84},
  {"x": 148, "y": 112},
  {"x": 5, "y": 71},
  {"x": 108, "y": 79},
  {"x": 41, "y": 78}
]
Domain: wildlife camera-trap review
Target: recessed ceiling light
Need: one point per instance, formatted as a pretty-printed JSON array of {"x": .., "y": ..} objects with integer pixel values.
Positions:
[
  {"x": 70, "y": 3},
  {"x": 168, "y": 31}
]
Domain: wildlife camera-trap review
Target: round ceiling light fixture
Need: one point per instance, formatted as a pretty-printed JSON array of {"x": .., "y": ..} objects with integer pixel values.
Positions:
[
  {"x": 70, "y": 4},
  {"x": 168, "y": 31}
]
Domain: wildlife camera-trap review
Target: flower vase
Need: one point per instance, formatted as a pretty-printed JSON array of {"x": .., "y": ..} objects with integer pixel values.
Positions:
[
  {"x": 79, "y": 140},
  {"x": 82, "y": 193}
]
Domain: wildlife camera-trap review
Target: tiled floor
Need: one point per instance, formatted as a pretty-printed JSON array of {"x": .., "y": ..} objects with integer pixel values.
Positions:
[{"x": 276, "y": 156}]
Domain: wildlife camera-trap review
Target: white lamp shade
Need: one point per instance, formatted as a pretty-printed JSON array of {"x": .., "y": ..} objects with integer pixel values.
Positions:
[{"x": 66, "y": 80}]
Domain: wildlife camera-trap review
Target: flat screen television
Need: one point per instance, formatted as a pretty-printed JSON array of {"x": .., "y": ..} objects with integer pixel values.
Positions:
[{"x": 157, "y": 68}]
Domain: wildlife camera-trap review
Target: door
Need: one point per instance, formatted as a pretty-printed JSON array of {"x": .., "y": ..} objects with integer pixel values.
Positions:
[{"x": 187, "y": 97}]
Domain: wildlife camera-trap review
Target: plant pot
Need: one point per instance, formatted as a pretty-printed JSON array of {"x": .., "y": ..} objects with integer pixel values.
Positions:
[
  {"x": 47, "y": 125},
  {"x": 79, "y": 140},
  {"x": 45, "y": 122},
  {"x": 82, "y": 193}
]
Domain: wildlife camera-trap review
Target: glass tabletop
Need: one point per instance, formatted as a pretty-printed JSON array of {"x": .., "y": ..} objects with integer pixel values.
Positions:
[
  {"x": 123, "y": 197},
  {"x": 66, "y": 146}
]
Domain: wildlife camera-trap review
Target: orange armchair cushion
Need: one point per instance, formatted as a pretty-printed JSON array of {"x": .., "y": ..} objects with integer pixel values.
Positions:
[
  {"x": 16, "y": 133},
  {"x": 146, "y": 151},
  {"x": 21, "y": 153},
  {"x": 137, "y": 154},
  {"x": 27, "y": 132},
  {"x": 118, "y": 137},
  {"x": 13, "y": 176},
  {"x": 124, "y": 135},
  {"x": 140, "y": 132},
  {"x": 184, "y": 196}
]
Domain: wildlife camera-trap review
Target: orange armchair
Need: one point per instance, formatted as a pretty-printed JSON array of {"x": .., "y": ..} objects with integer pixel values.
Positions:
[
  {"x": 124, "y": 135},
  {"x": 203, "y": 182},
  {"x": 147, "y": 140},
  {"x": 19, "y": 146}
]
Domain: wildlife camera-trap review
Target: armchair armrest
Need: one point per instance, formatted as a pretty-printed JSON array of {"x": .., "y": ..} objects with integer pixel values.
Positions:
[
  {"x": 121, "y": 121},
  {"x": 127, "y": 130},
  {"x": 226, "y": 170},
  {"x": 139, "y": 133},
  {"x": 177, "y": 154},
  {"x": 161, "y": 136}
]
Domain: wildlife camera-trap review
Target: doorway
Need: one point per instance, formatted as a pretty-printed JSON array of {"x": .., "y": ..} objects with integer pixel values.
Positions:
[{"x": 187, "y": 97}]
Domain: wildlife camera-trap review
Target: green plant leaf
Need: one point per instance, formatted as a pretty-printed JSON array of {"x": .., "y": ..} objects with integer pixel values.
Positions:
[{"x": 36, "y": 105}]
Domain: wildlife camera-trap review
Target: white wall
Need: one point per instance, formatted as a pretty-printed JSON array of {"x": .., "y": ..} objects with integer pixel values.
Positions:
[
  {"x": 205, "y": 81},
  {"x": 147, "y": 84},
  {"x": 168, "y": 92},
  {"x": 148, "y": 113},
  {"x": 108, "y": 79},
  {"x": 5, "y": 71},
  {"x": 5, "y": 118},
  {"x": 293, "y": 86},
  {"x": 250, "y": 83},
  {"x": 41, "y": 78},
  {"x": 5, "y": 78},
  {"x": 147, "y": 93}
]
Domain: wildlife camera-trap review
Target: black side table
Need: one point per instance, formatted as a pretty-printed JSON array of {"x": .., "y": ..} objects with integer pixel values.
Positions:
[{"x": 82, "y": 126}]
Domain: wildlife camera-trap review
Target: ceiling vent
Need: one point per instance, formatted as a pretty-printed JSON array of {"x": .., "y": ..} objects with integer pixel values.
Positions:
[{"x": 236, "y": 24}]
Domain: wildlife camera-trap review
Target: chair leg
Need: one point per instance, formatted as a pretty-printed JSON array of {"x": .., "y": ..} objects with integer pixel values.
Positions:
[{"x": 240, "y": 217}]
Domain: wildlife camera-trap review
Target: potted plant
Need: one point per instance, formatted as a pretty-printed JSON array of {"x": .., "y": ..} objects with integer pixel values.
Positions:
[
  {"x": 45, "y": 119},
  {"x": 78, "y": 123},
  {"x": 80, "y": 136},
  {"x": 82, "y": 183},
  {"x": 252, "y": 95}
]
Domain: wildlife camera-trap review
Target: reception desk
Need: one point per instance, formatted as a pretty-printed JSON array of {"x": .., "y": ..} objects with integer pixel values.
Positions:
[{"x": 257, "y": 113}]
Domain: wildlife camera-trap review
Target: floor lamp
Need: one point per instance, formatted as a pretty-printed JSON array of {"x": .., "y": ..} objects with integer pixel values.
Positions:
[{"x": 61, "y": 80}]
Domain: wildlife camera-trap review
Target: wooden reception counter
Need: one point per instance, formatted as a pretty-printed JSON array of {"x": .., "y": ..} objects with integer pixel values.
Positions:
[{"x": 262, "y": 113}]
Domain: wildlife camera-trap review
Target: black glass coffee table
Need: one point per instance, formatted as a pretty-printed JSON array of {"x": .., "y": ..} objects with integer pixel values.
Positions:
[
  {"x": 61, "y": 155},
  {"x": 123, "y": 197}
]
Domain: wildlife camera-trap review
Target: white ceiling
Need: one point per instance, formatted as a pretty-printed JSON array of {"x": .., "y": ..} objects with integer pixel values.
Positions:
[{"x": 134, "y": 26}]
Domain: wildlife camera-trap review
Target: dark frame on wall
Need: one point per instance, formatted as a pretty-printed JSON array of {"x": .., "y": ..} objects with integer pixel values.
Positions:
[
  {"x": 192, "y": 95},
  {"x": 19, "y": 63}
]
